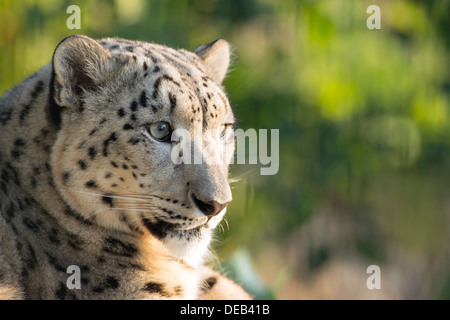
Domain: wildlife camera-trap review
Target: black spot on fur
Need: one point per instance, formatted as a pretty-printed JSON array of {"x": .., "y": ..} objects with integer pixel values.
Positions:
[
  {"x": 111, "y": 138},
  {"x": 10, "y": 210},
  {"x": 40, "y": 139},
  {"x": 173, "y": 101},
  {"x": 121, "y": 112},
  {"x": 91, "y": 184},
  {"x": 209, "y": 283},
  {"x": 66, "y": 176},
  {"x": 120, "y": 248},
  {"x": 130, "y": 266},
  {"x": 98, "y": 289},
  {"x": 18, "y": 148},
  {"x": 5, "y": 116},
  {"x": 115, "y": 165},
  {"x": 75, "y": 242},
  {"x": 82, "y": 164},
  {"x": 156, "y": 87},
  {"x": 154, "y": 287},
  {"x": 30, "y": 259},
  {"x": 53, "y": 237},
  {"x": 168, "y": 211},
  {"x": 169, "y": 78},
  {"x": 24, "y": 272},
  {"x": 32, "y": 226},
  {"x": 178, "y": 290},
  {"x": 61, "y": 293},
  {"x": 81, "y": 106},
  {"x": 53, "y": 109},
  {"x": 53, "y": 261},
  {"x": 19, "y": 142},
  {"x": 108, "y": 200},
  {"x": 71, "y": 213},
  {"x": 143, "y": 99},
  {"x": 24, "y": 113},
  {"x": 34, "y": 182},
  {"x": 134, "y": 141},
  {"x": 92, "y": 152},
  {"x": 5, "y": 176},
  {"x": 112, "y": 282},
  {"x": 128, "y": 126},
  {"x": 133, "y": 105}
]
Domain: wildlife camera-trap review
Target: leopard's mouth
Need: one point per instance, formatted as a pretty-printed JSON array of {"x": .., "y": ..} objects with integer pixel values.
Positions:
[
  {"x": 161, "y": 228},
  {"x": 182, "y": 227}
]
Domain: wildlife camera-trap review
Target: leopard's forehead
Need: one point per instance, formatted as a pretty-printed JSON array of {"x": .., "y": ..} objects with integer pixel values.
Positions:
[{"x": 168, "y": 82}]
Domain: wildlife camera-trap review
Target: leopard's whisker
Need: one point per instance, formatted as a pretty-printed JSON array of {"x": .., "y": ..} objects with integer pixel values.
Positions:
[
  {"x": 239, "y": 177},
  {"x": 127, "y": 209},
  {"x": 226, "y": 222},
  {"x": 131, "y": 198},
  {"x": 221, "y": 227}
]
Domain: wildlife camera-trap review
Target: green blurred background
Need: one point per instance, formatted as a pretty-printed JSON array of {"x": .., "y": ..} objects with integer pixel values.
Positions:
[{"x": 364, "y": 122}]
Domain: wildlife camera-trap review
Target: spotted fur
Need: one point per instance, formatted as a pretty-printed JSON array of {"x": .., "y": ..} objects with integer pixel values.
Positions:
[{"x": 83, "y": 183}]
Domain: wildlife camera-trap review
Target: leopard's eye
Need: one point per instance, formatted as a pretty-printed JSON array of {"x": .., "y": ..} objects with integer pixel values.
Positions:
[{"x": 160, "y": 131}]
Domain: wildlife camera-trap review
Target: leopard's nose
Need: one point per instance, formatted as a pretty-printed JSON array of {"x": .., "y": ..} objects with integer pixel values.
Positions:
[{"x": 209, "y": 208}]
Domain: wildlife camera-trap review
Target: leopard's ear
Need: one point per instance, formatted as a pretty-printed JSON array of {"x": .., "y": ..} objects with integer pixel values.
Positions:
[
  {"x": 216, "y": 57},
  {"x": 79, "y": 65}
]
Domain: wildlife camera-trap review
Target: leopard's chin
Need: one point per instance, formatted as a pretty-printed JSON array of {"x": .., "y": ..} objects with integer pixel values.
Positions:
[
  {"x": 190, "y": 245},
  {"x": 187, "y": 244}
]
